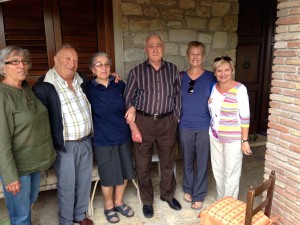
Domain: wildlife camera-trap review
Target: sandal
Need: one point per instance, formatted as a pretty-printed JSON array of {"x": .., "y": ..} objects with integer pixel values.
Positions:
[
  {"x": 125, "y": 210},
  {"x": 187, "y": 197},
  {"x": 111, "y": 215},
  {"x": 197, "y": 205}
]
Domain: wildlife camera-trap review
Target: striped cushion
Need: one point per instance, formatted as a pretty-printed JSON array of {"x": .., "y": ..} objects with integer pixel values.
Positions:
[{"x": 230, "y": 211}]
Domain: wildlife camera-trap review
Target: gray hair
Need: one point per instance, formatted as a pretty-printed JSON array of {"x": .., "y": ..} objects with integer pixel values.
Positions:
[
  {"x": 153, "y": 35},
  {"x": 99, "y": 54},
  {"x": 15, "y": 51},
  {"x": 66, "y": 46}
]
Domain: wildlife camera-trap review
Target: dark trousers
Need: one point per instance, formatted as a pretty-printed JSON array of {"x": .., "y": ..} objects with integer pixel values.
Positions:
[
  {"x": 195, "y": 150},
  {"x": 162, "y": 133}
]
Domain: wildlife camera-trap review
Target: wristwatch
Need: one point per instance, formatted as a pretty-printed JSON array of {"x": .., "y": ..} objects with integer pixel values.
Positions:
[{"x": 244, "y": 140}]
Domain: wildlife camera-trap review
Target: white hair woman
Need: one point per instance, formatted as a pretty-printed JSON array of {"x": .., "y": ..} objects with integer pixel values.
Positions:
[{"x": 112, "y": 137}]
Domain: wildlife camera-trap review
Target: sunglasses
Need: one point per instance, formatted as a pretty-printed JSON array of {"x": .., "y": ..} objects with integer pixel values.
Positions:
[
  {"x": 191, "y": 88},
  {"x": 226, "y": 58}
]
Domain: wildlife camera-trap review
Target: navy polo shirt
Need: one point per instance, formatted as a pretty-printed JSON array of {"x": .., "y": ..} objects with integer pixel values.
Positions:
[{"x": 108, "y": 109}]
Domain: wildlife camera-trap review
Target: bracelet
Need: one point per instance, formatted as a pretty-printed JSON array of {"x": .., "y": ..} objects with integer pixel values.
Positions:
[{"x": 244, "y": 141}]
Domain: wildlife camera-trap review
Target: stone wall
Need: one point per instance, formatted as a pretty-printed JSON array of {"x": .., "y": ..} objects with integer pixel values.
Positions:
[
  {"x": 283, "y": 146},
  {"x": 213, "y": 22}
]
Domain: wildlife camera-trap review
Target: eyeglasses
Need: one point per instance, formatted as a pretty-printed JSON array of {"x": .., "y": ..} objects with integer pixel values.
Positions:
[
  {"x": 191, "y": 88},
  {"x": 16, "y": 62},
  {"x": 226, "y": 58},
  {"x": 100, "y": 65},
  {"x": 152, "y": 46}
]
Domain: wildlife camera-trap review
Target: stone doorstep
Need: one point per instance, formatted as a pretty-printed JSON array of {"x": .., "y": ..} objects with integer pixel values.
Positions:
[{"x": 260, "y": 141}]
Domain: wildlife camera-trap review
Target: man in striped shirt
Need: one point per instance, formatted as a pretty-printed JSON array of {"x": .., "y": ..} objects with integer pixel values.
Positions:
[{"x": 153, "y": 91}]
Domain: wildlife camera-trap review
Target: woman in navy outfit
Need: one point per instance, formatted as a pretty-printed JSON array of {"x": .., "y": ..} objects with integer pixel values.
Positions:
[
  {"x": 196, "y": 83},
  {"x": 112, "y": 137}
]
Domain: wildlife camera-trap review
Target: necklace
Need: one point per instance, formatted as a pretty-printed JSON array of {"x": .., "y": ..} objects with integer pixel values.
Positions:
[{"x": 25, "y": 91}]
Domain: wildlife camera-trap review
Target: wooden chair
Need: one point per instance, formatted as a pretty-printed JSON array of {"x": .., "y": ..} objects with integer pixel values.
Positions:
[
  {"x": 266, "y": 203},
  {"x": 230, "y": 211}
]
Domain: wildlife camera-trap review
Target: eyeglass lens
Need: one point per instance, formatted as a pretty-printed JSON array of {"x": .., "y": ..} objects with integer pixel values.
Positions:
[
  {"x": 100, "y": 65},
  {"x": 191, "y": 88},
  {"x": 17, "y": 62}
]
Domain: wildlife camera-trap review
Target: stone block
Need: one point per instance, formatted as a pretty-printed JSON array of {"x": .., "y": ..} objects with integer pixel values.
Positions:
[
  {"x": 183, "y": 35},
  {"x": 131, "y": 9}
]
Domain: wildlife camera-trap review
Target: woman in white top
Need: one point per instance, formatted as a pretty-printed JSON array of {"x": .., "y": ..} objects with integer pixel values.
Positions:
[{"x": 230, "y": 116}]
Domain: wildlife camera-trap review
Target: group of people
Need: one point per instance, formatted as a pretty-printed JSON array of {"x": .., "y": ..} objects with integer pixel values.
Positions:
[{"x": 66, "y": 120}]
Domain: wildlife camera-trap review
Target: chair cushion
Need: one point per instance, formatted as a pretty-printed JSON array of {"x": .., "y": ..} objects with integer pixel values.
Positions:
[{"x": 230, "y": 211}]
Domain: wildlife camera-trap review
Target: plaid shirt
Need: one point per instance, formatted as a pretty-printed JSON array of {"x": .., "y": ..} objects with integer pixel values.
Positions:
[{"x": 75, "y": 109}]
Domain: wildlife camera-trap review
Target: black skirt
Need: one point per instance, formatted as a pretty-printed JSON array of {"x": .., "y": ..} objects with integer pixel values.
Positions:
[{"x": 115, "y": 164}]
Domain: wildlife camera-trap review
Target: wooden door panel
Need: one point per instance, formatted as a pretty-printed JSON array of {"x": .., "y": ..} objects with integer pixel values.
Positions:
[
  {"x": 253, "y": 110},
  {"x": 251, "y": 24},
  {"x": 253, "y": 52},
  {"x": 248, "y": 72},
  {"x": 247, "y": 63}
]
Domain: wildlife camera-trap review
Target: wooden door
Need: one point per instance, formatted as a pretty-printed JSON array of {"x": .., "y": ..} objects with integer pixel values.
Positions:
[
  {"x": 254, "y": 56},
  {"x": 42, "y": 26}
]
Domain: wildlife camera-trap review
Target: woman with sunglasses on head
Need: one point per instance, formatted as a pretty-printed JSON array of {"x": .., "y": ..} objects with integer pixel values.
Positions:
[
  {"x": 230, "y": 117},
  {"x": 196, "y": 84},
  {"x": 26, "y": 146},
  {"x": 112, "y": 137}
]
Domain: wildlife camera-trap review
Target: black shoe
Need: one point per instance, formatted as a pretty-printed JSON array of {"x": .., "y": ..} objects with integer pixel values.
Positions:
[
  {"x": 173, "y": 203},
  {"x": 148, "y": 211}
]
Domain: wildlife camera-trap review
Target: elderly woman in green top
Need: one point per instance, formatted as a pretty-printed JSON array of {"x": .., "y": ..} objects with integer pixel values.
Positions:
[{"x": 25, "y": 142}]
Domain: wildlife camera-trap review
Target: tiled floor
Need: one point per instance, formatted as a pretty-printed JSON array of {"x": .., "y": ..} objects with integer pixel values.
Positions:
[{"x": 45, "y": 210}]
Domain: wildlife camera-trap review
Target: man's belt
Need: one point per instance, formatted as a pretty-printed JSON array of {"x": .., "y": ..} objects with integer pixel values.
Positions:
[
  {"x": 154, "y": 116},
  {"x": 79, "y": 140}
]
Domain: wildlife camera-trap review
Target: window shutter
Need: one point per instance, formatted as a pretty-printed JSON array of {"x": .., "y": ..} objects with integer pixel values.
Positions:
[
  {"x": 79, "y": 28},
  {"x": 42, "y": 26},
  {"x": 24, "y": 26}
]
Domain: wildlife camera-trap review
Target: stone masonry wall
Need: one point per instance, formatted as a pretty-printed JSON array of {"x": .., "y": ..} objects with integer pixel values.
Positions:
[
  {"x": 213, "y": 22},
  {"x": 283, "y": 146}
]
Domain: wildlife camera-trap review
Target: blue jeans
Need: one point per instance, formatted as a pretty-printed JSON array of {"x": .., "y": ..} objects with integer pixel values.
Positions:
[{"x": 19, "y": 205}]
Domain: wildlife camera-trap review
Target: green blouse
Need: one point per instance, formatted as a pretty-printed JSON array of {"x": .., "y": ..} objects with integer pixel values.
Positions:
[{"x": 25, "y": 136}]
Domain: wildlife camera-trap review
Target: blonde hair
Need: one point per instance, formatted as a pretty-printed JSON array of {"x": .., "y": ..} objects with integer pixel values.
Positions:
[
  {"x": 221, "y": 60},
  {"x": 195, "y": 44}
]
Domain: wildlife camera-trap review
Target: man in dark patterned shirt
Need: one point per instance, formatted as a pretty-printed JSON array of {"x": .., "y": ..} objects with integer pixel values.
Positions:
[{"x": 153, "y": 92}]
